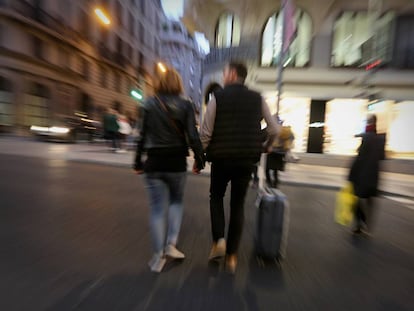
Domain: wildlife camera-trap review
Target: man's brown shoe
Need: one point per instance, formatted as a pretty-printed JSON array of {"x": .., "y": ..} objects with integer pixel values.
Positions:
[
  {"x": 231, "y": 263},
  {"x": 218, "y": 249}
]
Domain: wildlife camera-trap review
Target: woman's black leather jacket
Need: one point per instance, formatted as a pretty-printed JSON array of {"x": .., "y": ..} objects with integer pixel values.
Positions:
[{"x": 168, "y": 121}]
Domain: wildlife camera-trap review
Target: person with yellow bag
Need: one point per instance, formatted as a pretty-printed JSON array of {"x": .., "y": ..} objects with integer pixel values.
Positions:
[
  {"x": 364, "y": 174},
  {"x": 276, "y": 159},
  {"x": 345, "y": 203}
]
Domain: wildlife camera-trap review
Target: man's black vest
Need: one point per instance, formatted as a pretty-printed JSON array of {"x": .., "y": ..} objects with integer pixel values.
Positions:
[{"x": 236, "y": 134}]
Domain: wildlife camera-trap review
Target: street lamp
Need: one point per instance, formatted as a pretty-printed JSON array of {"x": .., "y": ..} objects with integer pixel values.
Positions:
[
  {"x": 102, "y": 16},
  {"x": 162, "y": 67}
]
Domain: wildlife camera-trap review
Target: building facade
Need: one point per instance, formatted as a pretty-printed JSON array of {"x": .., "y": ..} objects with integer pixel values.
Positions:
[
  {"x": 57, "y": 58},
  {"x": 348, "y": 58},
  {"x": 181, "y": 51}
]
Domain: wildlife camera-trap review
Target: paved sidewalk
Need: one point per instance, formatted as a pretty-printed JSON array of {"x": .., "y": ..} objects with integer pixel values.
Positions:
[{"x": 313, "y": 175}]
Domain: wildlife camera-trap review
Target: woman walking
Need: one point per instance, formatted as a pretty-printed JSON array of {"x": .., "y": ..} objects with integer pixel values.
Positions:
[{"x": 167, "y": 129}]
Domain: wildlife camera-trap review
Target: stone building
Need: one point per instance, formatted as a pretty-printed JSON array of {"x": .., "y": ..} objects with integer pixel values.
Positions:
[
  {"x": 181, "y": 51},
  {"x": 58, "y": 58},
  {"x": 348, "y": 58}
]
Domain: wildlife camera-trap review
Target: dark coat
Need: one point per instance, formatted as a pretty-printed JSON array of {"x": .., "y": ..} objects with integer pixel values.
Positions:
[
  {"x": 236, "y": 135},
  {"x": 168, "y": 132},
  {"x": 365, "y": 167},
  {"x": 110, "y": 123}
]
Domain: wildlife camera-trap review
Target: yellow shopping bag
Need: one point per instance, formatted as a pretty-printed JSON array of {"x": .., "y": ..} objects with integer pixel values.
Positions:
[{"x": 345, "y": 202}]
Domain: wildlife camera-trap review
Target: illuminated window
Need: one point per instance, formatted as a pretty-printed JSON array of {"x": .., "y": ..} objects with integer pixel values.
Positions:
[
  {"x": 228, "y": 31},
  {"x": 298, "y": 54},
  {"x": 343, "y": 119},
  {"x": 360, "y": 38}
]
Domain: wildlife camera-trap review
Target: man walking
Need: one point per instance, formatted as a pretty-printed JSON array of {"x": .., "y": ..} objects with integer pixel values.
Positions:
[{"x": 231, "y": 136}]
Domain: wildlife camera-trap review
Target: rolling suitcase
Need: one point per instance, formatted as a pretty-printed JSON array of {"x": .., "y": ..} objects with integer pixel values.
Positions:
[{"x": 272, "y": 224}]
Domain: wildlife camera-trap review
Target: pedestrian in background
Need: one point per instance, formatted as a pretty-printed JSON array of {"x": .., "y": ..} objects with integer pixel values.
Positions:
[
  {"x": 364, "y": 174},
  {"x": 231, "y": 136},
  {"x": 167, "y": 128},
  {"x": 276, "y": 159},
  {"x": 124, "y": 132},
  {"x": 111, "y": 128}
]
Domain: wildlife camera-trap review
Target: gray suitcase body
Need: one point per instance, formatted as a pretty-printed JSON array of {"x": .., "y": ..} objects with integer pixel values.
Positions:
[{"x": 272, "y": 224}]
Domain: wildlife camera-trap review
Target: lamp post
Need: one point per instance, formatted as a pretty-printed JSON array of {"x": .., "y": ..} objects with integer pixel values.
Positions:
[{"x": 102, "y": 16}]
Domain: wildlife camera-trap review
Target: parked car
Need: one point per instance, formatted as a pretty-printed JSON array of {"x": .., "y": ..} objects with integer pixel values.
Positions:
[{"x": 69, "y": 129}]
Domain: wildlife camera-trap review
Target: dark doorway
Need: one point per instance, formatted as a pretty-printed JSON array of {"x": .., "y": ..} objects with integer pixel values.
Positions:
[{"x": 316, "y": 126}]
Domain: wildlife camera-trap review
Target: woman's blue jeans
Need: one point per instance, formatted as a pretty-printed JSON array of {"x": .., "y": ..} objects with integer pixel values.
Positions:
[{"x": 166, "y": 191}]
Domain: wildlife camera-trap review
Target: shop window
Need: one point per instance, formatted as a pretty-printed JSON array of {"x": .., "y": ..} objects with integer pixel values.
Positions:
[
  {"x": 360, "y": 38},
  {"x": 401, "y": 124},
  {"x": 298, "y": 54},
  {"x": 295, "y": 112},
  {"x": 36, "y": 105},
  {"x": 344, "y": 118},
  {"x": 227, "y": 31}
]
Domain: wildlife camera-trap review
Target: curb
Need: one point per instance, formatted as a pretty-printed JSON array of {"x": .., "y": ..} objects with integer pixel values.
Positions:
[{"x": 207, "y": 174}]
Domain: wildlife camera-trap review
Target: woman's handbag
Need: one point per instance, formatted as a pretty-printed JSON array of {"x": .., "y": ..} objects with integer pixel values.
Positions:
[{"x": 345, "y": 204}]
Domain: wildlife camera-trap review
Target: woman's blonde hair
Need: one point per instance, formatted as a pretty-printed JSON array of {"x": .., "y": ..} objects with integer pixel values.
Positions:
[{"x": 169, "y": 82}]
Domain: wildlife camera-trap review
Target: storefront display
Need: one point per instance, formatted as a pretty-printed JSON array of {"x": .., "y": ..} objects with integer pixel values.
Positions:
[
  {"x": 344, "y": 119},
  {"x": 294, "y": 111}
]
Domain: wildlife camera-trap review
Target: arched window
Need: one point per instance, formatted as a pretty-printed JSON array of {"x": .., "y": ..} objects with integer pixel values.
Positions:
[
  {"x": 359, "y": 39},
  {"x": 227, "y": 31},
  {"x": 298, "y": 54}
]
